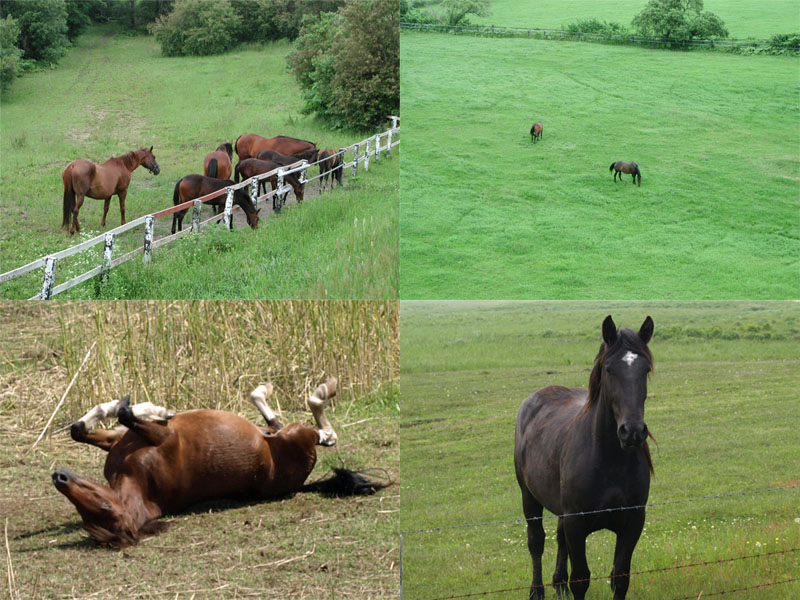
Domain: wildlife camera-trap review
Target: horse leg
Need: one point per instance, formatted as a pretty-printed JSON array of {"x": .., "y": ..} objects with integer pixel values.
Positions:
[
  {"x": 623, "y": 552},
  {"x": 560, "y": 573},
  {"x": 259, "y": 397},
  {"x": 575, "y": 536},
  {"x": 106, "y": 204},
  {"x": 317, "y": 403},
  {"x": 153, "y": 433},
  {"x": 105, "y": 438},
  {"x": 533, "y": 514},
  {"x": 75, "y": 210},
  {"x": 121, "y": 197}
]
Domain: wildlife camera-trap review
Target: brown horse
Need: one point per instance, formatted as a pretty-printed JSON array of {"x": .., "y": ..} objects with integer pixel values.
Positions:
[
  {"x": 536, "y": 131},
  {"x": 195, "y": 186},
  {"x": 620, "y": 167},
  {"x": 162, "y": 466},
  {"x": 250, "y": 144},
  {"x": 249, "y": 167},
  {"x": 331, "y": 165},
  {"x": 283, "y": 160},
  {"x": 85, "y": 178},
  {"x": 218, "y": 164}
]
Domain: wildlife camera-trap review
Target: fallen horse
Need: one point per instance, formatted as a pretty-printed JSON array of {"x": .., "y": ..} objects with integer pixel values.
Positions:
[{"x": 161, "y": 462}]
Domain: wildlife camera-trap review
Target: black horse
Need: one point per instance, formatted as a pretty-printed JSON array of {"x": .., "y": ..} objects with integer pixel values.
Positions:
[
  {"x": 632, "y": 168},
  {"x": 581, "y": 451},
  {"x": 536, "y": 131}
]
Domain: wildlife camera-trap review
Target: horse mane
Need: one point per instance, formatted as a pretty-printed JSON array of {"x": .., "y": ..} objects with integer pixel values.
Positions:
[{"x": 129, "y": 159}]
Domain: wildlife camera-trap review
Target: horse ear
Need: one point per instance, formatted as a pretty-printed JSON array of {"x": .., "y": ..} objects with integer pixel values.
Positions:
[
  {"x": 151, "y": 148},
  {"x": 609, "y": 331},
  {"x": 646, "y": 330}
]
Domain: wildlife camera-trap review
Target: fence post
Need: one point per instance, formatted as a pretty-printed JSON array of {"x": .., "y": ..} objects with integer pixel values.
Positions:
[
  {"x": 198, "y": 206},
  {"x": 340, "y": 168},
  {"x": 377, "y": 146},
  {"x": 49, "y": 277},
  {"x": 277, "y": 199},
  {"x": 394, "y": 121},
  {"x": 227, "y": 218},
  {"x": 366, "y": 154},
  {"x": 254, "y": 192},
  {"x": 149, "y": 223},
  {"x": 108, "y": 251},
  {"x": 355, "y": 160},
  {"x": 389, "y": 144}
]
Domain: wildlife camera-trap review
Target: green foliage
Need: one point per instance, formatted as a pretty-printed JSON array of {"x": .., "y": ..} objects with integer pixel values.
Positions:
[
  {"x": 79, "y": 16},
  {"x": 456, "y": 12},
  {"x": 9, "y": 52},
  {"x": 782, "y": 43},
  {"x": 43, "y": 27},
  {"x": 678, "y": 21},
  {"x": 348, "y": 63},
  {"x": 598, "y": 26},
  {"x": 197, "y": 27},
  {"x": 266, "y": 20}
]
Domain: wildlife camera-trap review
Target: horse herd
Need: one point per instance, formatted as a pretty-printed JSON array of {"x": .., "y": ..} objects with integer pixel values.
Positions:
[
  {"x": 257, "y": 155},
  {"x": 619, "y": 167}
]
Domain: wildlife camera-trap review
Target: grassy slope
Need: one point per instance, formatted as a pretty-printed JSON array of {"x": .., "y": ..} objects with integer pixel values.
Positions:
[
  {"x": 485, "y": 214},
  {"x": 723, "y": 410},
  {"x": 743, "y": 18},
  {"x": 114, "y": 94}
]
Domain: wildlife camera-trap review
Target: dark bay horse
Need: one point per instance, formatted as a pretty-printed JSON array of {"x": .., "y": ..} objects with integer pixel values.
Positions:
[
  {"x": 581, "y": 451},
  {"x": 218, "y": 164},
  {"x": 283, "y": 160},
  {"x": 162, "y": 466},
  {"x": 536, "y": 131},
  {"x": 249, "y": 167},
  {"x": 331, "y": 165},
  {"x": 85, "y": 178},
  {"x": 195, "y": 186},
  {"x": 250, "y": 144},
  {"x": 632, "y": 168}
]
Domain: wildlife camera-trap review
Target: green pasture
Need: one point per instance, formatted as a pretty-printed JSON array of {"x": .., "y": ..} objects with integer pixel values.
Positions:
[
  {"x": 743, "y": 18},
  {"x": 722, "y": 405},
  {"x": 487, "y": 214},
  {"x": 113, "y": 93}
]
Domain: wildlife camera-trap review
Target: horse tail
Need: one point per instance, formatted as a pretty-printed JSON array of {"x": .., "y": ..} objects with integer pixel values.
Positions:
[
  {"x": 345, "y": 482},
  {"x": 611, "y": 168},
  {"x": 236, "y": 172},
  {"x": 236, "y": 146},
  {"x": 212, "y": 168},
  {"x": 176, "y": 199},
  {"x": 69, "y": 197}
]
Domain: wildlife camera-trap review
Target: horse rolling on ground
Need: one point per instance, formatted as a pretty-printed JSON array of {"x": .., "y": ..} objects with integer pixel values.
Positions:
[
  {"x": 195, "y": 186},
  {"x": 162, "y": 466},
  {"x": 84, "y": 178},
  {"x": 582, "y": 451},
  {"x": 250, "y": 144},
  {"x": 250, "y": 167},
  {"x": 620, "y": 167},
  {"x": 331, "y": 165},
  {"x": 536, "y": 131},
  {"x": 218, "y": 164}
]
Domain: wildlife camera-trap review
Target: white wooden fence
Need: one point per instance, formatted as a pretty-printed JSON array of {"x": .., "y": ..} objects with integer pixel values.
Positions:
[{"x": 363, "y": 151}]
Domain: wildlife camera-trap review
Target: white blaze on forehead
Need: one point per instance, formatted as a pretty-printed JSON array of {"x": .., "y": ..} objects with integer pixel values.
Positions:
[{"x": 629, "y": 358}]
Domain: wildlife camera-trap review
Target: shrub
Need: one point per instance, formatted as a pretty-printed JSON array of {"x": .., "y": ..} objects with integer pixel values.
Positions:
[
  {"x": 9, "y": 52},
  {"x": 595, "y": 26},
  {"x": 197, "y": 27},
  {"x": 42, "y": 27}
]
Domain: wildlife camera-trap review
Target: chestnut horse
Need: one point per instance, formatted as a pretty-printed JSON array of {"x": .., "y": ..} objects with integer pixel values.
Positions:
[
  {"x": 250, "y": 144},
  {"x": 632, "y": 168},
  {"x": 85, "y": 178},
  {"x": 536, "y": 131},
  {"x": 195, "y": 186},
  {"x": 163, "y": 466},
  {"x": 579, "y": 451},
  {"x": 331, "y": 165},
  {"x": 249, "y": 167},
  {"x": 218, "y": 164}
]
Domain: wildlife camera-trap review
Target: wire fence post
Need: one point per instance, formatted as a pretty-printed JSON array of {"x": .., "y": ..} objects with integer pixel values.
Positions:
[
  {"x": 366, "y": 154},
  {"x": 198, "y": 206},
  {"x": 254, "y": 192},
  {"x": 355, "y": 160},
  {"x": 149, "y": 225},
  {"x": 49, "y": 277},
  {"x": 108, "y": 251},
  {"x": 227, "y": 218},
  {"x": 277, "y": 199}
]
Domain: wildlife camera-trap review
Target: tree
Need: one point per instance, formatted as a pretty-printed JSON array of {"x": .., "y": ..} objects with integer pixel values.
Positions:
[
  {"x": 9, "y": 52},
  {"x": 678, "y": 21},
  {"x": 454, "y": 12},
  {"x": 43, "y": 27},
  {"x": 197, "y": 27}
]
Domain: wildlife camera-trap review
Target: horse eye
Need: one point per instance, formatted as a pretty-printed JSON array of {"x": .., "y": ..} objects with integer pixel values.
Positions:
[{"x": 105, "y": 506}]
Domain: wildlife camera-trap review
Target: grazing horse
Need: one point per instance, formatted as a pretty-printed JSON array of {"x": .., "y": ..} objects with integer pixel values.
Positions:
[
  {"x": 250, "y": 144},
  {"x": 249, "y": 167},
  {"x": 283, "y": 160},
  {"x": 218, "y": 164},
  {"x": 162, "y": 466},
  {"x": 536, "y": 131},
  {"x": 85, "y": 178},
  {"x": 331, "y": 165},
  {"x": 196, "y": 186},
  {"x": 620, "y": 167},
  {"x": 579, "y": 451}
]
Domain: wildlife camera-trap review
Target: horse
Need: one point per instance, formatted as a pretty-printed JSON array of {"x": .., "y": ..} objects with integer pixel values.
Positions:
[
  {"x": 283, "y": 160},
  {"x": 536, "y": 131},
  {"x": 579, "y": 451},
  {"x": 84, "y": 178},
  {"x": 218, "y": 164},
  {"x": 250, "y": 167},
  {"x": 620, "y": 167},
  {"x": 250, "y": 144},
  {"x": 161, "y": 462},
  {"x": 331, "y": 165},
  {"x": 195, "y": 186}
]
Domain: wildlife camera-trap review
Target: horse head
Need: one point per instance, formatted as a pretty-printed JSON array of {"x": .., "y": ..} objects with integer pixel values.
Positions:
[{"x": 149, "y": 161}]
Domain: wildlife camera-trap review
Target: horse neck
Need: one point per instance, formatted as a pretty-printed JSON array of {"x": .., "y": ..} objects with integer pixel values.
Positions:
[
  {"x": 600, "y": 419},
  {"x": 131, "y": 160},
  {"x": 131, "y": 496}
]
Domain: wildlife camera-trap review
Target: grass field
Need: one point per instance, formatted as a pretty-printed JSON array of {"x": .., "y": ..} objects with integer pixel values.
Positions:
[
  {"x": 113, "y": 93},
  {"x": 200, "y": 355},
  {"x": 722, "y": 405},
  {"x": 743, "y": 18},
  {"x": 487, "y": 214}
]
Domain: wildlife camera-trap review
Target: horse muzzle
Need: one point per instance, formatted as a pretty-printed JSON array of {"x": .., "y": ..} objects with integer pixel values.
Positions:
[
  {"x": 155, "y": 170},
  {"x": 632, "y": 436},
  {"x": 62, "y": 478}
]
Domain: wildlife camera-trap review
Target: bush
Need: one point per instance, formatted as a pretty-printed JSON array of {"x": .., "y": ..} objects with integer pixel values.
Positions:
[
  {"x": 678, "y": 21},
  {"x": 197, "y": 27},
  {"x": 595, "y": 26},
  {"x": 266, "y": 20},
  {"x": 9, "y": 52},
  {"x": 42, "y": 27}
]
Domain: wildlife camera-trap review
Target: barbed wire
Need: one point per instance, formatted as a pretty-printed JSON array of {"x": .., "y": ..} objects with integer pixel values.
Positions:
[{"x": 601, "y": 510}]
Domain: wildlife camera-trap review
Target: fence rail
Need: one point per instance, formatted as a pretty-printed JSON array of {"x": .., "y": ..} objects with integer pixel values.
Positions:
[{"x": 373, "y": 147}]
